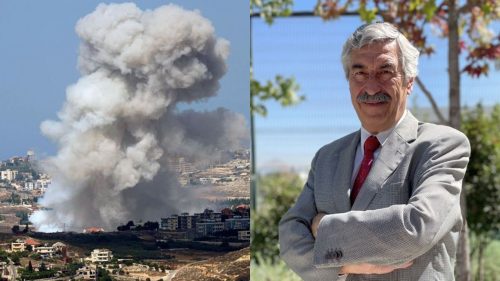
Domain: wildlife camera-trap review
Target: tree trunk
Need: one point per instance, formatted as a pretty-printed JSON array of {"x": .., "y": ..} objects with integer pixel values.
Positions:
[
  {"x": 480, "y": 265},
  {"x": 253, "y": 172},
  {"x": 462, "y": 269},
  {"x": 453, "y": 66},
  {"x": 463, "y": 260}
]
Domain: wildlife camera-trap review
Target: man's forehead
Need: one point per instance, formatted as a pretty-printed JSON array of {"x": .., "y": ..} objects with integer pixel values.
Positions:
[{"x": 377, "y": 53}]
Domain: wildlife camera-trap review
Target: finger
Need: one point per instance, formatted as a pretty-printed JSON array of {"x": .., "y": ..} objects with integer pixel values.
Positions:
[
  {"x": 368, "y": 268},
  {"x": 383, "y": 269},
  {"x": 405, "y": 265}
]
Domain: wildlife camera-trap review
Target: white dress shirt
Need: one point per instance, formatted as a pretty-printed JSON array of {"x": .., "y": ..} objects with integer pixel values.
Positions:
[{"x": 360, "y": 150}]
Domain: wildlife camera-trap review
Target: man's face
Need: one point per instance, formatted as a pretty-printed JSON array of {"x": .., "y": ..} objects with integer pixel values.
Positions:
[{"x": 376, "y": 83}]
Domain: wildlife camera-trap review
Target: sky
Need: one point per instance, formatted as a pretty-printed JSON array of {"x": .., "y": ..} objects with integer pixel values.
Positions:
[
  {"x": 308, "y": 49},
  {"x": 39, "y": 51}
]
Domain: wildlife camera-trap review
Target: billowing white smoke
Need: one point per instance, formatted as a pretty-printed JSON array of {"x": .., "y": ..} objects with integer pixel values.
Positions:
[{"x": 119, "y": 123}]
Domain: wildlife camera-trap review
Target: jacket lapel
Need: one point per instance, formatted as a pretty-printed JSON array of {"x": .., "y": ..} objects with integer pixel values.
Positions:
[
  {"x": 388, "y": 160},
  {"x": 343, "y": 173}
]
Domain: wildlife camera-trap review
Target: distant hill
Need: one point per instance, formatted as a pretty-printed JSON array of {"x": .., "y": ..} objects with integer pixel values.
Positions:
[{"x": 234, "y": 266}]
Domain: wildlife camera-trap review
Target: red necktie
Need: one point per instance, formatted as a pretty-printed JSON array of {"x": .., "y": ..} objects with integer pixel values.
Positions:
[{"x": 371, "y": 144}]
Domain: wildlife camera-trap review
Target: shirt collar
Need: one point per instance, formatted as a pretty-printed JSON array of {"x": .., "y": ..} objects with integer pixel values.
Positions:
[{"x": 382, "y": 136}]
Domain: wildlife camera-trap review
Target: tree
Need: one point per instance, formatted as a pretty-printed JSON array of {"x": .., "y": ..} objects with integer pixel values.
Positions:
[
  {"x": 15, "y": 259},
  {"x": 73, "y": 267},
  {"x": 15, "y": 229},
  {"x": 123, "y": 228},
  {"x": 103, "y": 275},
  {"x": 30, "y": 267},
  {"x": 15, "y": 199},
  {"x": 4, "y": 257},
  {"x": 130, "y": 224},
  {"x": 482, "y": 180},
  {"x": 149, "y": 225},
  {"x": 278, "y": 192}
]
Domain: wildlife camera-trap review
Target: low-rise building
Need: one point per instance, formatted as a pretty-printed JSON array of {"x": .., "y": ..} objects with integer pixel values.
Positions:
[
  {"x": 237, "y": 223},
  {"x": 44, "y": 251},
  {"x": 42, "y": 183},
  {"x": 208, "y": 215},
  {"x": 100, "y": 255},
  {"x": 29, "y": 185},
  {"x": 86, "y": 273},
  {"x": 18, "y": 246},
  {"x": 32, "y": 242},
  {"x": 169, "y": 224},
  {"x": 8, "y": 174},
  {"x": 208, "y": 228},
  {"x": 244, "y": 235},
  {"x": 185, "y": 221},
  {"x": 59, "y": 246}
]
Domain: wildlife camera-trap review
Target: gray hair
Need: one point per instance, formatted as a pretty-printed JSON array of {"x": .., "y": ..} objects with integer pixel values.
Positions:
[{"x": 382, "y": 32}]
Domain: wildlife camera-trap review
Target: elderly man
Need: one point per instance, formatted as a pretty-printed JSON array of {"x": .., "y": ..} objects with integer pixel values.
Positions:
[{"x": 382, "y": 203}]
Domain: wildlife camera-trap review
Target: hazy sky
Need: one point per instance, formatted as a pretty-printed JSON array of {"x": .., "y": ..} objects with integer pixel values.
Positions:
[
  {"x": 308, "y": 49},
  {"x": 38, "y": 60}
]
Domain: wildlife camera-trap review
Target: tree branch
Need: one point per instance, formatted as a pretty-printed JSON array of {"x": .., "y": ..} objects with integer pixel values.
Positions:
[
  {"x": 467, "y": 6},
  {"x": 431, "y": 100},
  {"x": 305, "y": 14}
]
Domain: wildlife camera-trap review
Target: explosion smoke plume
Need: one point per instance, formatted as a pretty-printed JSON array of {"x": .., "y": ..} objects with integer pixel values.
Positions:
[{"x": 119, "y": 122}]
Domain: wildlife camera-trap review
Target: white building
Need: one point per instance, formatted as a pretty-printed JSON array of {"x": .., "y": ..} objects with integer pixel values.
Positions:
[
  {"x": 238, "y": 223},
  {"x": 244, "y": 235},
  {"x": 85, "y": 273},
  {"x": 59, "y": 246},
  {"x": 18, "y": 246},
  {"x": 209, "y": 228},
  {"x": 42, "y": 183},
  {"x": 101, "y": 255},
  {"x": 170, "y": 224},
  {"x": 29, "y": 185},
  {"x": 9, "y": 174},
  {"x": 44, "y": 251}
]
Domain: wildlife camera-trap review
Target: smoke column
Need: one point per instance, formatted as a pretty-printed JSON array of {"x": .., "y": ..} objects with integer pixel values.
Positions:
[{"x": 119, "y": 123}]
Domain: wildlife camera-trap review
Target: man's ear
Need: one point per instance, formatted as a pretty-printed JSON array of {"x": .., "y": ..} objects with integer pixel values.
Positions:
[{"x": 409, "y": 85}]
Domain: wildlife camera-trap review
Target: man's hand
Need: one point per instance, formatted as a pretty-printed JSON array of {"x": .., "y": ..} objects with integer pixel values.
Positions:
[
  {"x": 368, "y": 268},
  {"x": 315, "y": 223}
]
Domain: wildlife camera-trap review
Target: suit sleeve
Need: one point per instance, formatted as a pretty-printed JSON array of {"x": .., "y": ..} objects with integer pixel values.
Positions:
[
  {"x": 400, "y": 233},
  {"x": 295, "y": 237}
]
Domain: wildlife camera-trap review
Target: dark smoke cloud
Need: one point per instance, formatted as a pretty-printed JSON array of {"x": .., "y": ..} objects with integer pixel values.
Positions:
[{"x": 119, "y": 125}]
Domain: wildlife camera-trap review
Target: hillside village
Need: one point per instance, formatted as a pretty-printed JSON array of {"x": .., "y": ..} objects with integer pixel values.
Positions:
[{"x": 153, "y": 250}]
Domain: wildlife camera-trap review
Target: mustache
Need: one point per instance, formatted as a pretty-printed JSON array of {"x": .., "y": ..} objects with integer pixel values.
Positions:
[{"x": 378, "y": 97}]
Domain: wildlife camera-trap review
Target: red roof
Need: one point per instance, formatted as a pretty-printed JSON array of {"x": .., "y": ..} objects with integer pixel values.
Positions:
[
  {"x": 243, "y": 206},
  {"x": 32, "y": 242}
]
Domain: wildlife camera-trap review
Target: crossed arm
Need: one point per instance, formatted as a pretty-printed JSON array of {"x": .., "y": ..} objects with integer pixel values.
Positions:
[{"x": 384, "y": 239}]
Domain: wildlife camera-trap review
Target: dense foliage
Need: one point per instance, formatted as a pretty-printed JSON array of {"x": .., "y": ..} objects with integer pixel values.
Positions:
[
  {"x": 277, "y": 192},
  {"x": 482, "y": 180},
  {"x": 482, "y": 184}
]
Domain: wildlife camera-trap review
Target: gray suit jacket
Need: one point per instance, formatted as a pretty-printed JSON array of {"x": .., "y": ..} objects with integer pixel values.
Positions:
[{"x": 408, "y": 207}]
